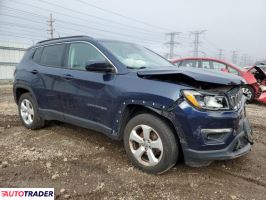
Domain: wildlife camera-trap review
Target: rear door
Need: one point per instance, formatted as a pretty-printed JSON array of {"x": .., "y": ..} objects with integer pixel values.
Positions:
[
  {"x": 47, "y": 84},
  {"x": 88, "y": 96}
]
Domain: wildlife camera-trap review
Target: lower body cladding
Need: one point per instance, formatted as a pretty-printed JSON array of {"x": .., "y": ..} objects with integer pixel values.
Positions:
[{"x": 206, "y": 136}]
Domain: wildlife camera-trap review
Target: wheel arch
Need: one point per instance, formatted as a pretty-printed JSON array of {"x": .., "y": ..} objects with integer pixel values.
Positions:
[
  {"x": 132, "y": 110},
  {"x": 22, "y": 89}
]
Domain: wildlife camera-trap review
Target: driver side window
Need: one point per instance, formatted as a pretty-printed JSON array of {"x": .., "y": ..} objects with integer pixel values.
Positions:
[{"x": 80, "y": 53}]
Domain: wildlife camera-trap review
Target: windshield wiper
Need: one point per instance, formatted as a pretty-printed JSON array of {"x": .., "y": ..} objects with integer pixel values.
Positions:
[{"x": 136, "y": 67}]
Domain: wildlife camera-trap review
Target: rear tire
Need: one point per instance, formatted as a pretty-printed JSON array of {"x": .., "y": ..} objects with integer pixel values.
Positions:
[
  {"x": 28, "y": 112},
  {"x": 249, "y": 92},
  {"x": 150, "y": 143}
]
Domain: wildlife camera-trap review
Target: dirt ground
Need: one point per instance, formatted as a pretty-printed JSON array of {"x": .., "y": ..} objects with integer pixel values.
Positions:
[{"x": 88, "y": 165}]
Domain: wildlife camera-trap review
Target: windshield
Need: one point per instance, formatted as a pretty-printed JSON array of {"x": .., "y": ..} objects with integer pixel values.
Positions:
[{"x": 135, "y": 56}]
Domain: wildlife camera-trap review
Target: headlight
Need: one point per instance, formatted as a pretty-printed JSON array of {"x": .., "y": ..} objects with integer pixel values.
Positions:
[{"x": 206, "y": 101}]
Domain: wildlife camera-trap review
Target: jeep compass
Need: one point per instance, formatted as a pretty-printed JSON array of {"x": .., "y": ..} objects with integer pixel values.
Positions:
[{"x": 128, "y": 92}]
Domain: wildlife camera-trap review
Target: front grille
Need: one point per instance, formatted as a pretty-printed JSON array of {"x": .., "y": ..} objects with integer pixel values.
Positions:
[{"x": 235, "y": 97}]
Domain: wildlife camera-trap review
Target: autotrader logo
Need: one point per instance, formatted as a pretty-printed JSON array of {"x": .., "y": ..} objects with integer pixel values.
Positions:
[{"x": 27, "y": 193}]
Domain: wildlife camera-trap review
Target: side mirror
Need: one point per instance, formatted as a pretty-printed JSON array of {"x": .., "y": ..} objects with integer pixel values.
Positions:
[
  {"x": 98, "y": 66},
  {"x": 225, "y": 70}
]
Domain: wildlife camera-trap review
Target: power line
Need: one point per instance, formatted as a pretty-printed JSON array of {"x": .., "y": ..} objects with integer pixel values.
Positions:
[
  {"x": 20, "y": 36},
  {"x": 84, "y": 14},
  {"x": 25, "y": 32},
  {"x": 8, "y": 33},
  {"x": 64, "y": 30},
  {"x": 51, "y": 29},
  {"x": 15, "y": 25},
  {"x": 84, "y": 26},
  {"x": 137, "y": 30},
  {"x": 172, "y": 43},
  {"x": 120, "y": 15},
  {"x": 197, "y": 41}
]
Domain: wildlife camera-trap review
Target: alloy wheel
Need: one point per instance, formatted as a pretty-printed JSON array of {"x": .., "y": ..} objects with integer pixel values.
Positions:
[
  {"x": 146, "y": 145},
  {"x": 27, "y": 111}
]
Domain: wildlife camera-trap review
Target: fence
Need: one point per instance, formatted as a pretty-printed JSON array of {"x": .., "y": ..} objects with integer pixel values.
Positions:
[{"x": 10, "y": 55}]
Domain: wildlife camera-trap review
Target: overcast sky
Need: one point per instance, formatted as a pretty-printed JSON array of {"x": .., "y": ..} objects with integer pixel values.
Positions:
[{"x": 238, "y": 25}]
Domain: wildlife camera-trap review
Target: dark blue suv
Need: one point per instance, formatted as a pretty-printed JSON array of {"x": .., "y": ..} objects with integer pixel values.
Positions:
[{"x": 132, "y": 94}]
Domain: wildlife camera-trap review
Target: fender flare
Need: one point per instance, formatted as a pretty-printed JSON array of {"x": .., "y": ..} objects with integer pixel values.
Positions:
[
  {"x": 17, "y": 86},
  {"x": 158, "y": 108}
]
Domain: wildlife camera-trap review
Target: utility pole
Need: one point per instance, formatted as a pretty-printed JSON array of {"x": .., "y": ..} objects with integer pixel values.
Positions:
[
  {"x": 197, "y": 41},
  {"x": 50, "y": 29},
  {"x": 220, "y": 54},
  {"x": 172, "y": 43},
  {"x": 234, "y": 57}
]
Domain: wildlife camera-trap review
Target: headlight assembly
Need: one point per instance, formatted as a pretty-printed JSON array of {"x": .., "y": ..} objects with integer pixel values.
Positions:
[{"x": 206, "y": 101}]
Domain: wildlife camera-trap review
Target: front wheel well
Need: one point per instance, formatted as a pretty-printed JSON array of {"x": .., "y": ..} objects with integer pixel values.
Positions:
[{"x": 132, "y": 110}]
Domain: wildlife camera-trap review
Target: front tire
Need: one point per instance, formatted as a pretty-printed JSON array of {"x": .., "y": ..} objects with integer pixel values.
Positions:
[
  {"x": 28, "y": 112},
  {"x": 150, "y": 143}
]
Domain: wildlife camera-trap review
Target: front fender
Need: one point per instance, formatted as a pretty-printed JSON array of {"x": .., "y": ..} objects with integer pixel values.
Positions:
[{"x": 162, "y": 110}]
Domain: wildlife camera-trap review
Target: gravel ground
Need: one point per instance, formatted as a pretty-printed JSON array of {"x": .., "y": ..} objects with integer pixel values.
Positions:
[{"x": 82, "y": 164}]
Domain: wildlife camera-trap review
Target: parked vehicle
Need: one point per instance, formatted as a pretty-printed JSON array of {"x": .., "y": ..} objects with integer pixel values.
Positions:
[
  {"x": 132, "y": 94},
  {"x": 253, "y": 76}
]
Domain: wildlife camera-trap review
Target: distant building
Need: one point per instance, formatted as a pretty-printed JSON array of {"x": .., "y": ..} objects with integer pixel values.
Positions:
[{"x": 10, "y": 55}]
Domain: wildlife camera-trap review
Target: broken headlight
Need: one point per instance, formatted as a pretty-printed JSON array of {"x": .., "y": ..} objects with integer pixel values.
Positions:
[{"x": 206, "y": 101}]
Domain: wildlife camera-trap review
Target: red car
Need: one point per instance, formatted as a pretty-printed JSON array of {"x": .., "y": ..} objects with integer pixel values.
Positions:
[{"x": 254, "y": 76}]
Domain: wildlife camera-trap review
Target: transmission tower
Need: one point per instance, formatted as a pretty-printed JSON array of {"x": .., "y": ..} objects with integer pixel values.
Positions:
[
  {"x": 244, "y": 60},
  {"x": 172, "y": 43},
  {"x": 50, "y": 29},
  {"x": 234, "y": 57},
  {"x": 220, "y": 54},
  {"x": 197, "y": 41}
]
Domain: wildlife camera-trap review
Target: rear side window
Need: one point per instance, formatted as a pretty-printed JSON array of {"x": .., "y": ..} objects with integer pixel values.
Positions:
[
  {"x": 37, "y": 55},
  {"x": 52, "y": 55}
]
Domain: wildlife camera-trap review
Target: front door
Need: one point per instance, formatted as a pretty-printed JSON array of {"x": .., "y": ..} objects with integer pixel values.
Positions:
[{"x": 88, "y": 96}]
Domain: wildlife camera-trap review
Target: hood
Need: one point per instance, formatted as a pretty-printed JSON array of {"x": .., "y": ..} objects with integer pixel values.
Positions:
[{"x": 201, "y": 75}]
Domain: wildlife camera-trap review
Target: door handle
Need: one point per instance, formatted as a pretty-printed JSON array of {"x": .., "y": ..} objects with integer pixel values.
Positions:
[
  {"x": 67, "y": 76},
  {"x": 34, "y": 71}
]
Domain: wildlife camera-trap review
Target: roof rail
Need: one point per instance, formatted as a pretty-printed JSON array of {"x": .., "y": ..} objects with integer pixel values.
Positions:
[{"x": 60, "y": 38}]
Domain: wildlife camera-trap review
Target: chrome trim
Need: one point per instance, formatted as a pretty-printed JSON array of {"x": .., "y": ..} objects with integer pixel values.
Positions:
[{"x": 80, "y": 41}]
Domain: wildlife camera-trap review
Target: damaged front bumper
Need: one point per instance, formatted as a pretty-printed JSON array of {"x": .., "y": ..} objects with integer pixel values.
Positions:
[
  {"x": 209, "y": 136},
  {"x": 239, "y": 146}
]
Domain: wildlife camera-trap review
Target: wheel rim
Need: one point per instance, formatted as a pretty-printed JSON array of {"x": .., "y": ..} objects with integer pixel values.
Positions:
[
  {"x": 247, "y": 92},
  {"x": 26, "y": 111},
  {"x": 146, "y": 145}
]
